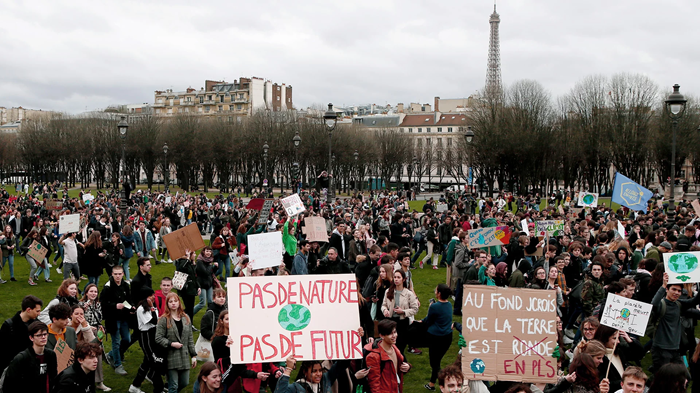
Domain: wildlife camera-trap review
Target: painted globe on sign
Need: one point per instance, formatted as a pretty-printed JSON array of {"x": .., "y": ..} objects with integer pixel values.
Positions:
[
  {"x": 294, "y": 317},
  {"x": 625, "y": 313},
  {"x": 588, "y": 199},
  {"x": 477, "y": 365},
  {"x": 682, "y": 263}
]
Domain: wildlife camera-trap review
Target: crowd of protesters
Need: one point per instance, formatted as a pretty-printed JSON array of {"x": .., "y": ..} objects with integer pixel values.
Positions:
[{"x": 375, "y": 236}]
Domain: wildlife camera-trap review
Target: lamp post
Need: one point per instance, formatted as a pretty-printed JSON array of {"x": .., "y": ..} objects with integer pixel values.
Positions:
[
  {"x": 676, "y": 106},
  {"x": 297, "y": 142},
  {"x": 331, "y": 119},
  {"x": 357, "y": 169},
  {"x": 123, "y": 127},
  {"x": 265, "y": 150},
  {"x": 166, "y": 168},
  {"x": 415, "y": 170},
  {"x": 469, "y": 137}
]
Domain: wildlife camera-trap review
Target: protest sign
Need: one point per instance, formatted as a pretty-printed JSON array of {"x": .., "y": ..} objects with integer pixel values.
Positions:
[
  {"x": 485, "y": 237},
  {"x": 588, "y": 199},
  {"x": 87, "y": 198},
  {"x": 255, "y": 204},
  {"x": 523, "y": 225},
  {"x": 510, "y": 334},
  {"x": 64, "y": 355},
  {"x": 549, "y": 227},
  {"x": 265, "y": 250},
  {"x": 315, "y": 229},
  {"x": 168, "y": 199},
  {"x": 682, "y": 267},
  {"x": 659, "y": 203},
  {"x": 625, "y": 314},
  {"x": 265, "y": 211},
  {"x": 293, "y": 205},
  {"x": 187, "y": 238},
  {"x": 308, "y": 317},
  {"x": 621, "y": 229},
  {"x": 37, "y": 251},
  {"x": 628, "y": 193},
  {"x": 696, "y": 207},
  {"x": 560, "y": 208},
  {"x": 441, "y": 207},
  {"x": 69, "y": 223},
  {"x": 179, "y": 280},
  {"x": 54, "y": 204}
]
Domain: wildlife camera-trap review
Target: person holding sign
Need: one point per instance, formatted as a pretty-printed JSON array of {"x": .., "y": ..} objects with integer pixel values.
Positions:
[
  {"x": 80, "y": 377},
  {"x": 35, "y": 368},
  {"x": 32, "y": 236},
  {"x": 583, "y": 378},
  {"x": 621, "y": 348}
]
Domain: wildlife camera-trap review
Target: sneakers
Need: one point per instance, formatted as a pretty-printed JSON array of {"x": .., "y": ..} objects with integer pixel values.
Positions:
[
  {"x": 108, "y": 359},
  {"x": 570, "y": 333},
  {"x": 134, "y": 389},
  {"x": 170, "y": 260},
  {"x": 421, "y": 264},
  {"x": 2, "y": 281},
  {"x": 31, "y": 282},
  {"x": 194, "y": 329},
  {"x": 415, "y": 351},
  {"x": 427, "y": 386},
  {"x": 48, "y": 265},
  {"x": 150, "y": 257},
  {"x": 568, "y": 340},
  {"x": 48, "y": 280},
  {"x": 102, "y": 387},
  {"x": 13, "y": 279},
  {"x": 435, "y": 268},
  {"x": 58, "y": 270},
  {"x": 120, "y": 370}
]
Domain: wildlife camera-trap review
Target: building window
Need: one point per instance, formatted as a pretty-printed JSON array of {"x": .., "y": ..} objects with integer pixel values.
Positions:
[
  {"x": 239, "y": 107},
  {"x": 419, "y": 142},
  {"x": 206, "y": 109},
  {"x": 157, "y": 111},
  {"x": 402, "y": 130},
  {"x": 420, "y": 129},
  {"x": 410, "y": 129},
  {"x": 189, "y": 99},
  {"x": 187, "y": 109},
  {"x": 210, "y": 97},
  {"x": 439, "y": 142},
  {"x": 449, "y": 129},
  {"x": 221, "y": 98},
  {"x": 201, "y": 99},
  {"x": 427, "y": 141},
  {"x": 221, "y": 108},
  {"x": 278, "y": 98},
  {"x": 439, "y": 129},
  {"x": 427, "y": 129},
  {"x": 449, "y": 142}
]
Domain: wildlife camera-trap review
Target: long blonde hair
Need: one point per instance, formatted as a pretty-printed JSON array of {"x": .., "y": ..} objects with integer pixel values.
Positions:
[{"x": 168, "y": 314}]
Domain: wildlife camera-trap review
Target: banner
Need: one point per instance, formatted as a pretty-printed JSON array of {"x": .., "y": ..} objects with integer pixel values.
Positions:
[
  {"x": 625, "y": 314},
  {"x": 630, "y": 194},
  {"x": 186, "y": 238},
  {"x": 265, "y": 250},
  {"x": 510, "y": 334},
  {"x": 682, "y": 267},
  {"x": 315, "y": 229},
  {"x": 69, "y": 223},
  {"x": 587, "y": 199},
  {"x": 549, "y": 227},
  {"x": 308, "y": 317},
  {"x": 255, "y": 204},
  {"x": 293, "y": 205},
  {"x": 524, "y": 226},
  {"x": 37, "y": 251},
  {"x": 265, "y": 211},
  {"x": 485, "y": 237},
  {"x": 54, "y": 204}
]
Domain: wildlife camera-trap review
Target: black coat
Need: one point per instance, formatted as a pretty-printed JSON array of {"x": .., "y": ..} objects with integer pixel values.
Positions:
[
  {"x": 338, "y": 241},
  {"x": 191, "y": 286},
  {"x": 113, "y": 294},
  {"x": 23, "y": 372},
  {"x": 139, "y": 282},
  {"x": 94, "y": 263},
  {"x": 73, "y": 379},
  {"x": 15, "y": 339}
]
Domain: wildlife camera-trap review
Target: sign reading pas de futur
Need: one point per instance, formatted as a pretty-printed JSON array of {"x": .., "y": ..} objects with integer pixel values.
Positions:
[{"x": 510, "y": 334}]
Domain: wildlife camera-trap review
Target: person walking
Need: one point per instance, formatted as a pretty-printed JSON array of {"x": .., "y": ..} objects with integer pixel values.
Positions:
[
  {"x": 115, "y": 294},
  {"x": 33, "y": 369},
  {"x": 8, "y": 243},
  {"x": 438, "y": 324},
  {"x": 174, "y": 332},
  {"x": 153, "y": 365},
  {"x": 187, "y": 265},
  {"x": 433, "y": 245},
  {"x": 205, "y": 278}
]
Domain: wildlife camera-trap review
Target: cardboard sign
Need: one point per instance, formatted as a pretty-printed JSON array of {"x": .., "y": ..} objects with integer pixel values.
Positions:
[
  {"x": 255, "y": 204},
  {"x": 510, "y": 334},
  {"x": 37, "y": 251},
  {"x": 69, "y": 223},
  {"x": 265, "y": 250},
  {"x": 265, "y": 211},
  {"x": 293, "y": 205},
  {"x": 486, "y": 237},
  {"x": 560, "y": 208},
  {"x": 696, "y": 207},
  {"x": 184, "y": 238},
  {"x": 682, "y": 267},
  {"x": 179, "y": 280},
  {"x": 441, "y": 207},
  {"x": 309, "y": 317},
  {"x": 168, "y": 199},
  {"x": 625, "y": 314},
  {"x": 621, "y": 229},
  {"x": 315, "y": 229},
  {"x": 588, "y": 199},
  {"x": 549, "y": 227},
  {"x": 64, "y": 355},
  {"x": 54, "y": 204}
]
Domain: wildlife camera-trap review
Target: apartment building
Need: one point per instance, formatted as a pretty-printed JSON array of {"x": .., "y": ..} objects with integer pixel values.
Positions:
[
  {"x": 11, "y": 119},
  {"x": 241, "y": 98}
]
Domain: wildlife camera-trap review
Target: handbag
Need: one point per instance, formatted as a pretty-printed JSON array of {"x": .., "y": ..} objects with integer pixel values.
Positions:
[
  {"x": 179, "y": 280},
  {"x": 373, "y": 311},
  {"x": 203, "y": 349}
]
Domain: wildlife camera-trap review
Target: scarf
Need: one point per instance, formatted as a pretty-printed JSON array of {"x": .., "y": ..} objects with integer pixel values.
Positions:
[
  {"x": 615, "y": 359},
  {"x": 204, "y": 259}
]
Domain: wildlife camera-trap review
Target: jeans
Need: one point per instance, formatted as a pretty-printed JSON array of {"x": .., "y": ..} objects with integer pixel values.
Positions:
[
  {"x": 125, "y": 263},
  {"x": 421, "y": 247},
  {"x": 11, "y": 259},
  {"x": 46, "y": 271},
  {"x": 224, "y": 260},
  {"x": 122, "y": 333},
  {"x": 659, "y": 357},
  {"x": 33, "y": 265},
  {"x": 92, "y": 280},
  {"x": 207, "y": 294},
  {"x": 71, "y": 267},
  {"x": 59, "y": 253},
  {"x": 178, "y": 380}
]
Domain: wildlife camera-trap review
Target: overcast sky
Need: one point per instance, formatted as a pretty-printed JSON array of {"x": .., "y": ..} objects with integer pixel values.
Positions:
[{"x": 73, "y": 55}]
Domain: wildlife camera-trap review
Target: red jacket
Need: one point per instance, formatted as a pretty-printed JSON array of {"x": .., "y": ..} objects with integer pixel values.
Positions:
[
  {"x": 382, "y": 373},
  {"x": 160, "y": 302}
]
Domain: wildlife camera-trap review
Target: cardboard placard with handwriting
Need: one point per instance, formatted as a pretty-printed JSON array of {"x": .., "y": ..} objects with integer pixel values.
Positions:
[
  {"x": 629, "y": 315},
  {"x": 315, "y": 229},
  {"x": 188, "y": 237},
  {"x": 265, "y": 211},
  {"x": 510, "y": 334},
  {"x": 696, "y": 207},
  {"x": 64, "y": 355},
  {"x": 54, "y": 204},
  {"x": 37, "y": 251}
]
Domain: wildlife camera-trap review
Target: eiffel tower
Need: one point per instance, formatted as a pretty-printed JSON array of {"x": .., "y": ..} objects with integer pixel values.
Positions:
[{"x": 494, "y": 87}]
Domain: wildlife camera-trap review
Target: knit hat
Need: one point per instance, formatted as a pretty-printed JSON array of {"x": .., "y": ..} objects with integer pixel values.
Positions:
[{"x": 666, "y": 245}]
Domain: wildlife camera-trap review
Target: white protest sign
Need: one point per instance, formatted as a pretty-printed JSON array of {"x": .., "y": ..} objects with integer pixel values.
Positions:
[
  {"x": 441, "y": 207},
  {"x": 87, "y": 198},
  {"x": 265, "y": 250},
  {"x": 621, "y": 229},
  {"x": 308, "y": 317},
  {"x": 682, "y": 267},
  {"x": 625, "y": 314},
  {"x": 69, "y": 223},
  {"x": 588, "y": 199},
  {"x": 293, "y": 205},
  {"x": 168, "y": 199},
  {"x": 549, "y": 227},
  {"x": 523, "y": 225}
]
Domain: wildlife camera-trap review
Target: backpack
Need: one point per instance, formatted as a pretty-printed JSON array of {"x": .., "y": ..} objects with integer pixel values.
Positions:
[
  {"x": 576, "y": 291},
  {"x": 655, "y": 318}
]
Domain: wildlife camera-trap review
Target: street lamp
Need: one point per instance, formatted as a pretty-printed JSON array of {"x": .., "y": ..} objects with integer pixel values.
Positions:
[
  {"x": 265, "y": 150},
  {"x": 469, "y": 137},
  {"x": 676, "y": 106},
  {"x": 297, "y": 142},
  {"x": 331, "y": 119},
  {"x": 357, "y": 168},
  {"x": 415, "y": 170},
  {"x": 166, "y": 169},
  {"x": 123, "y": 127}
]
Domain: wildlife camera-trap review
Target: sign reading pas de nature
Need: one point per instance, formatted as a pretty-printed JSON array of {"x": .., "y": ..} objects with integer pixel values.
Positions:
[
  {"x": 510, "y": 334},
  {"x": 308, "y": 317}
]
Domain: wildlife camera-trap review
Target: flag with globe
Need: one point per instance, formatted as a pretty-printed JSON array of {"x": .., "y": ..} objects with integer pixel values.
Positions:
[{"x": 682, "y": 267}]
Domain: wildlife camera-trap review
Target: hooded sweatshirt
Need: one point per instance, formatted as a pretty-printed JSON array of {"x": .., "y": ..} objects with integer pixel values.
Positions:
[{"x": 517, "y": 279}]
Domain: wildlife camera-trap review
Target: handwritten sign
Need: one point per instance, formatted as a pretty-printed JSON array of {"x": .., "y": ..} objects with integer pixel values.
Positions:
[
  {"x": 64, "y": 355},
  {"x": 265, "y": 211},
  {"x": 53, "y": 204},
  {"x": 510, "y": 334},
  {"x": 87, "y": 198},
  {"x": 69, "y": 223},
  {"x": 626, "y": 314},
  {"x": 315, "y": 229},
  {"x": 179, "y": 280},
  {"x": 37, "y": 251},
  {"x": 682, "y": 267},
  {"x": 441, "y": 207},
  {"x": 486, "y": 237},
  {"x": 265, "y": 250},
  {"x": 588, "y": 199},
  {"x": 524, "y": 226},
  {"x": 696, "y": 207},
  {"x": 549, "y": 227},
  {"x": 184, "y": 238},
  {"x": 308, "y": 317},
  {"x": 293, "y": 205}
]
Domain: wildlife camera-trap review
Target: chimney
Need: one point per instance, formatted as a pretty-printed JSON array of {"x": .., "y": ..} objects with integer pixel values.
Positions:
[{"x": 437, "y": 104}]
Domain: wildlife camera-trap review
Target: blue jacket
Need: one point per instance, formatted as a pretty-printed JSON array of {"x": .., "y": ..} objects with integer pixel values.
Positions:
[
  {"x": 138, "y": 242},
  {"x": 300, "y": 265}
]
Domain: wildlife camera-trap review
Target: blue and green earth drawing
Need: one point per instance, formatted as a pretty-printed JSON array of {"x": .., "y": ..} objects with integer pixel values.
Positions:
[
  {"x": 477, "y": 365},
  {"x": 294, "y": 317},
  {"x": 682, "y": 263},
  {"x": 588, "y": 199}
]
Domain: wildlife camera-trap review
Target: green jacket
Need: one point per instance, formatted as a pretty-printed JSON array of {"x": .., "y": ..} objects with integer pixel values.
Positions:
[
  {"x": 636, "y": 258},
  {"x": 592, "y": 294},
  {"x": 450, "y": 257},
  {"x": 289, "y": 241},
  {"x": 178, "y": 359},
  {"x": 653, "y": 253}
]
